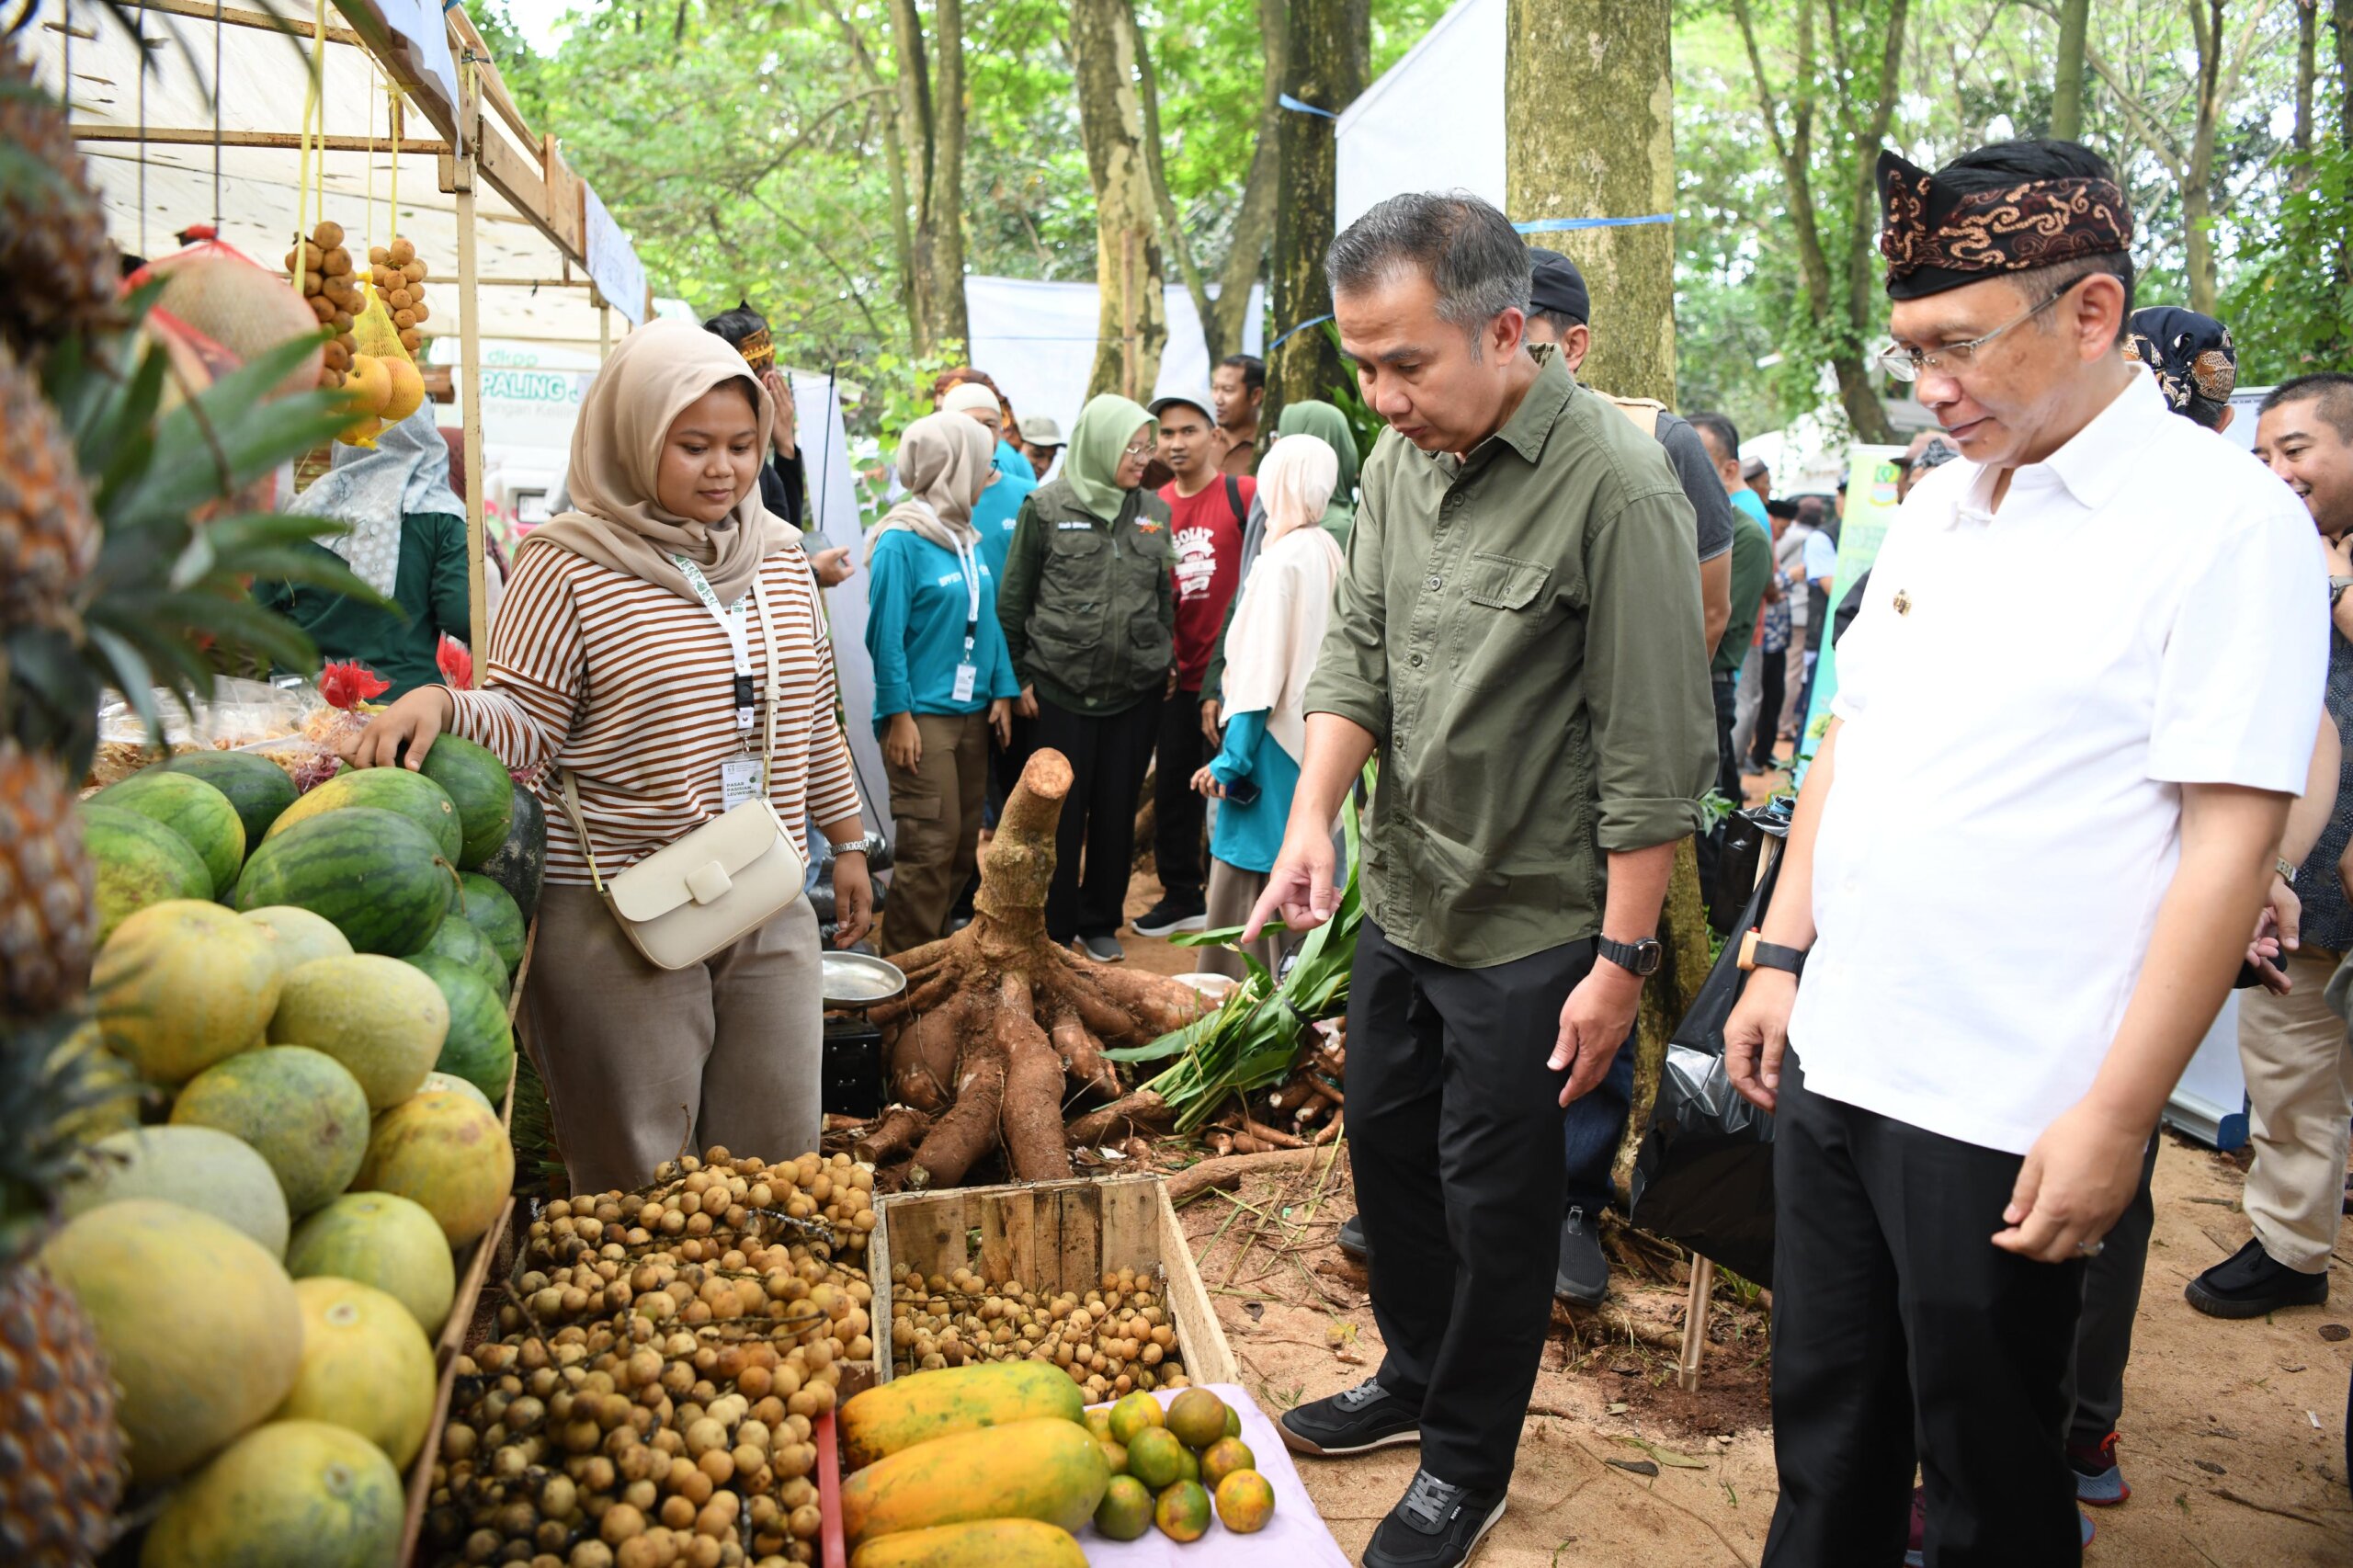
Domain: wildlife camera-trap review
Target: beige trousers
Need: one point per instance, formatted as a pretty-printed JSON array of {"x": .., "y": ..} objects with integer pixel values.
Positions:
[
  {"x": 640, "y": 1062},
  {"x": 936, "y": 808},
  {"x": 1232, "y": 893},
  {"x": 2300, "y": 1090}
]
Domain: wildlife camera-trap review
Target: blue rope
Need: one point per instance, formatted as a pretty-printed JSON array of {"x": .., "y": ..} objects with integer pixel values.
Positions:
[
  {"x": 1297, "y": 106},
  {"x": 1285, "y": 337},
  {"x": 1560, "y": 225}
]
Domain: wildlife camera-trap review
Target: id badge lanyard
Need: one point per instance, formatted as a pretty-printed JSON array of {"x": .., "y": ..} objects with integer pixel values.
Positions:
[
  {"x": 968, "y": 674},
  {"x": 738, "y": 773}
]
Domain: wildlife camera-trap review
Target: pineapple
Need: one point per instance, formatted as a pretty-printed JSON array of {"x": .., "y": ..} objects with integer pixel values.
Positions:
[
  {"x": 59, "y": 272},
  {"x": 48, "y": 540},
  {"x": 46, "y": 913}
]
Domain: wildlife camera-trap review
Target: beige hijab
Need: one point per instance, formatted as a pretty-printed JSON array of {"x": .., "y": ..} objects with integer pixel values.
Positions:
[
  {"x": 651, "y": 378},
  {"x": 944, "y": 463}
]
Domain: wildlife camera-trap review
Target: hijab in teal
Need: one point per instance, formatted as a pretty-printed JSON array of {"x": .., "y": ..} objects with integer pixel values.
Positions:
[
  {"x": 1098, "y": 442},
  {"x": 1320, "y": 419}
]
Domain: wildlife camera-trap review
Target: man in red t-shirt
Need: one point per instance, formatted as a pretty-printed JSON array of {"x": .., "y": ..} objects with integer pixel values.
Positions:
[{"x": 1206, "y": 509}]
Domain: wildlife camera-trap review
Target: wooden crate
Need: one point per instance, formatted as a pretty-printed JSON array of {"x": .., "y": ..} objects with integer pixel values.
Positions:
[{"x": 1057, "y": 1235}]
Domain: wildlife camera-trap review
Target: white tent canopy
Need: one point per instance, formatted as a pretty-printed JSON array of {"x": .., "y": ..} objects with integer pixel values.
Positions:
[
  {"x": 1036, "y": 342},
  {"x": 1434, "y": 121}
]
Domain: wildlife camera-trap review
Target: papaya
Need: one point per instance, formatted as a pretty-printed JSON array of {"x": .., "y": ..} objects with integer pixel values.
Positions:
[
  {"x": 287, "y": 1494},
  {"x": 921, "y": 1406},
  {"x": 384, "y": 1240},
  {"x": 183, "y": 983},
  {"x": 1052, "y": 1471},
  {"x": 447, "y": 1155},
  {"x": 365, "y": 1366},
  {"x": 987, "y": 1543},
  {"x": 383, "y": 1020},
  {"x": 298, "y": 1108},
  {"x": 193, "y": 808}
]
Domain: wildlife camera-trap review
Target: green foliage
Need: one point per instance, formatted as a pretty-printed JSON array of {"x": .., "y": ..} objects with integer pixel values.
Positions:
[{"x": 2291, "y": 310}]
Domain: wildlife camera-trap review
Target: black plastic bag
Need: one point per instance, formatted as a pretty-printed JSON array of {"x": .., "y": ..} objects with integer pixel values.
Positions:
[{"x": 1703, "y": 1176}]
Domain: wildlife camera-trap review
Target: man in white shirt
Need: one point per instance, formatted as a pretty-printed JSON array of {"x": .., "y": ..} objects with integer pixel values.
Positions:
[{"x": 2025, "y": 868}]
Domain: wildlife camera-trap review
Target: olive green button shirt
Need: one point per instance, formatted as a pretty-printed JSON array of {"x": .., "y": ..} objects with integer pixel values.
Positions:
[{"x": 1520, "y": 631}]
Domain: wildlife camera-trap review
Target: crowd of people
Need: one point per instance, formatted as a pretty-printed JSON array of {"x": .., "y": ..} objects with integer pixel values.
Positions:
[{"x": 2022, "y": 873}]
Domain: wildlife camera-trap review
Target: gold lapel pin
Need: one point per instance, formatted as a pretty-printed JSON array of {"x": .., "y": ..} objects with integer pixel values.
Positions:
[{"x": 1903, "y": 602}]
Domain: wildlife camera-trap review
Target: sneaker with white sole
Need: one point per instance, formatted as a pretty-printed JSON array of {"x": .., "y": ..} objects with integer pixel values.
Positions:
[
  {"x": 2098, "y": 1479},
  {"x": 1102, "y": 949},
  {"x": 1435, "y": 1525},
  {"x": 1352, "y": 1421},
  {"x": 1173, "y": 914}
]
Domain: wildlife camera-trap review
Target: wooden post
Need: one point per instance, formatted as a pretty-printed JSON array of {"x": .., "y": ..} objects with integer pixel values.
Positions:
[
  {"x": 1695, "y": 1323},
  {"x": 469, "y": 367},
  {"x": 604, "y": 332}
]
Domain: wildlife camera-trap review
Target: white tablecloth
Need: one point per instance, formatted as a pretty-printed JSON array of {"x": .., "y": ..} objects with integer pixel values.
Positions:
[{"x": 1294, "y": 1537}]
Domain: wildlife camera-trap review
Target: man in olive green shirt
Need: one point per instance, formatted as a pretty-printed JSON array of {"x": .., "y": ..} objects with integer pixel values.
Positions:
[{"x": 1517, "y": 636}]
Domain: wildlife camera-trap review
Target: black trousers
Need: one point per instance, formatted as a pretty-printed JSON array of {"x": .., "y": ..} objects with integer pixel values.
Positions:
[
  {"x": 1709, "y": 847},
  {"x": 1772, "y": 690},
  {"x": 1900, "y": 1331},
  {"x": 2111, "y": 1299},
  {"x": 1178, "y": 812},
  {"x": 1107, "y": 754},
  {"x": 1454, "y": 1123}
]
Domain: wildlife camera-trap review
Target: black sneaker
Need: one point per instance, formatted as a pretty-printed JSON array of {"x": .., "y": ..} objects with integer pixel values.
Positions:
[
  {"x": 1582, "y": 1277},
  {"x": 1102, "y": 949},
  {"x": 1172, "y": 915},
  {"x": 1352, "y": 1240},
  {"x": 1433, "y": 1526},
  {"x": 1350, "y": 1421},
  {"x": 2250, "y": 1283}
]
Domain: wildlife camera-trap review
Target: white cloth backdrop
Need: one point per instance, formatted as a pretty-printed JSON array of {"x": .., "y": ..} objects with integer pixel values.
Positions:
[
  {"x": 1434, "y": 121},
  {"x": 1036, "y": 342}
]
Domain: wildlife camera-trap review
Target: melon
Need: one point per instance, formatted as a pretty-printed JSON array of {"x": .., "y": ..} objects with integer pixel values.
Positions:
[
  {"x": 490, "y": 910},
  {"x": 378, "y": 876},
  {"x": 450, "y": 1155},
  {"x": 255, "y": 787},
  {"x": 135, "y": 861},
  {"x": 246, "y": 309},
  {"x": 297, "y": 1106},
  {"x": 182, "y": 984},
  {"x": 384, "y": 1240},
  {"x": 521, "y": 864},
  {"x": 395, "y": 789},
  {"x": 480, "y": 1048},
  {"x": 113, "y": 1086},
  {"x": 480, "y": 787},
  {"x": 194, "y": 809},
  {"x": 301, "y": 936},
  {"x": 462, "y": 941},
  {"x": 365, "y": 1366},
  {"x": 199, "y": 1325},
  {"x": 290, "y": 1495},
  {"x": 383, "y": 1020},
  {"x": 436, "y": 1081},
  {"x": 211, "y": 1171}
]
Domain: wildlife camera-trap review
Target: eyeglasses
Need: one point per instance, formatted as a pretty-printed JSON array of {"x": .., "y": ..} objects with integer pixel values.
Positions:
[
  {"x": 1911, "y": 364},
  {"x": 1142, "y": 450}
]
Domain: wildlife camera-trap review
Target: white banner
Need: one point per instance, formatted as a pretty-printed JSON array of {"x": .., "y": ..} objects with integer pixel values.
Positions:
[{"x": 612, "y": 260}]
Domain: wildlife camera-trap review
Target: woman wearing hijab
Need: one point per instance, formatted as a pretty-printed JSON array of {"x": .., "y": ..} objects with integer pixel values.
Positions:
[
  {"x": 1089, "y": 614},
  {"x": 615, "y": 660},
  {"x": 942, "y": 678},
  {"x": 407, "y": 541},
  {"x": 1277, "y": 628}
]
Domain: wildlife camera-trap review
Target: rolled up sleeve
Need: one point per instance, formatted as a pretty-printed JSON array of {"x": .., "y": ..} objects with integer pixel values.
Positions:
[
  {"x": 1351, "y": 677},
  {"x": 1646, "y": 671}
]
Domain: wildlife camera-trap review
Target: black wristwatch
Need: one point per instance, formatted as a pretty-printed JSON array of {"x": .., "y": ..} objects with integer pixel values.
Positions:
[
  {"x": 1637, "y": 958},
  {"x": 1755, "y": 953}
]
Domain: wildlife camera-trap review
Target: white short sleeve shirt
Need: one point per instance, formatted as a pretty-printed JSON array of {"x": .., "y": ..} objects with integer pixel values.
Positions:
[{"x": 2024, "y": 693}]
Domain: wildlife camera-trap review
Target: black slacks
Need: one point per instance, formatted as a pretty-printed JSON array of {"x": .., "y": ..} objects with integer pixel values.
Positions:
[
  {"x": 1454, "y": 1123},
  {"x": 1900, "y": 1331},
  {"x": 1772, "y": 691},
  {"x": 1178, "y": 812},
  {"x": 1094, "y": 845},
  {"x": 2111, "y": 1299}
]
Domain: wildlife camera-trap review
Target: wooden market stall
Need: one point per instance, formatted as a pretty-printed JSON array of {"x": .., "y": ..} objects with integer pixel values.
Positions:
[{"x": 387, "y": 115}]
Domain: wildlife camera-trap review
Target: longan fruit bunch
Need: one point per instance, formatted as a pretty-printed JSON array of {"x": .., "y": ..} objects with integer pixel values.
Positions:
[
  {"x": 332, "y": 293},
  {"x": 1116, "y": 1339},
  {"x": 399, "y": 278}
]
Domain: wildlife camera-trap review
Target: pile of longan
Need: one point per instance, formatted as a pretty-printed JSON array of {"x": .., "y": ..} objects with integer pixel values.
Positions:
[
  {"x": 1115, "y": 1340},
  {"x": 331, "y": 292},
  {"x": 400, "y": 283}
]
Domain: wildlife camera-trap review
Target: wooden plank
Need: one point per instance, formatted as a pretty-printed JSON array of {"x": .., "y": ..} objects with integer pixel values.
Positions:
[
  {"x": 564, "y": 213},
  {"x": 446, "y": 1352},
  {"x": 203, "y": 11},
  {"x": 516, "y": 177},
  {"x": 1009, "y": 1237},
  {"x": 880, "y": 1308},
  {"x": 1695, "y": 1323},
  {"x": 470, "y": 362},
  {"x": 1130, "y": 1237},
  {"x": 1208, "y": 1357},
  {"x": 1081, "y": 1239},
  {"x": 177, "y": 136}
]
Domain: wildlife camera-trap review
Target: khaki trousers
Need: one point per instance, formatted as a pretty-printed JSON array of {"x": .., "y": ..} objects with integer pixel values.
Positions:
[
  {"x": 937, "y": 806},
  {"x": 2300, "y": 1090},
  {"x": 640, "y": 1062},
  {"x": 1232, "y": 893}
]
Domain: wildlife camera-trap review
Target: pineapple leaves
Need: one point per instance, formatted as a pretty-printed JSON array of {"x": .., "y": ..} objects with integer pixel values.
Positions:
[{"x": 225, "y": 439}]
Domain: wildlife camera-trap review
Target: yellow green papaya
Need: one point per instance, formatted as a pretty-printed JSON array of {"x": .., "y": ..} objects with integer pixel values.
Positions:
[{"x": 921, "y": 1406}]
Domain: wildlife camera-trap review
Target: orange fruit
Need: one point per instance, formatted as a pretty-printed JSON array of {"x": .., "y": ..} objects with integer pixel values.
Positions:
[
  {"x": 361, "y": 432},
  {"x": 1115, "y": 1456},
  {"x": 1198, "y": 1417},
  {"x": 407, "y": 393},
  {"x": 1244, "y": 1501},
  {"x": 1132, "y": 1414},
  {"x": 1099, "y": 1422},
  {"x": 370, "y": 383},
  {"x": 1224, "y": 1457},
  {"x": 1183, "y": 1511},
  {"x": 1126, "y": 1510},
  {"x": 1156, "y": 1457}
]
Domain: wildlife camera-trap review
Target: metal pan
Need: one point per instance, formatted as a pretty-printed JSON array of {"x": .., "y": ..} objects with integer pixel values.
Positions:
[{"x": 859, "y": 981}]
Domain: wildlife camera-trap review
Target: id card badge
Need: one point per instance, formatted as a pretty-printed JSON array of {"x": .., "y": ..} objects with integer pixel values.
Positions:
[
  {"x": 739, "y": 781},
  {"x": 967, "y": 677}
]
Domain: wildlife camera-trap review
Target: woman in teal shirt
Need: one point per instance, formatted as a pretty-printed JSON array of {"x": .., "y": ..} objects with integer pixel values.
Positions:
[{"x": 942, "y": 678}]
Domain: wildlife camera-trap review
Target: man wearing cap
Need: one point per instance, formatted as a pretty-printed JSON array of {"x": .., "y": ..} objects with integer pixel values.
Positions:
[
  {"x": 1207, "y": 509},
  {"x": 2019, "y": 878},
  {"x": 1041, "y": 442},
  {"x": 784, "y": 482}
]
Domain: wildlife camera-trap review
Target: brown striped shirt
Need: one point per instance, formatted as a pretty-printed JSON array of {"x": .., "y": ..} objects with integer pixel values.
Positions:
[{"x": 629, "y": 689}]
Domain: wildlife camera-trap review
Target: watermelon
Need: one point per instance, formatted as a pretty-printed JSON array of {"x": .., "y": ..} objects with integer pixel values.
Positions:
[
  {"x": 396, "y": 789},
  {"x": 256, "y": 786},
  {"x": 522, "y": 860},
  {"x": 488, "y": 909},
  {"x": 458, "y": 940},
  {"x": 136, "y": 861},
  {"x": 375, "y": 874},
  {"x": 480, "y": 788},
  {"x": 194, "y": 811},
  {"x": 480, "y": 1047}
]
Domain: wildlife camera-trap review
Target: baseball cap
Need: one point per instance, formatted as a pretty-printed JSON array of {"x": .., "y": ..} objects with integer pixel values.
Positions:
[
  {"x": 1200, "y": 400},
  {"x": 1041, "y": 430},
  {"x": 1554, "y": 284}
]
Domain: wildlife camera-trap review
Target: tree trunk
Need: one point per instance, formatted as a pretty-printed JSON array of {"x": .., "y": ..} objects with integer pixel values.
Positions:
[
  {"x": 2341, "y": 24},
  {"x": 1858, "y": 387},
  {"x": 1176, "y": 242},
  {"x": 1327, "y": 55},
  {"x": 1589, "y": 132},
  {"x": 894, "y": 154},
  {"x": 997, "y": 1018},
  {"x": 931, "y": 136},
  {"x": 2067, "y": 82},
  {"x": 2197, "y": 181},
  {"x": 1133, "y": 326},
  {"x": 2307, "y": 52},
  {"x": 1254, "y": 225}
]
